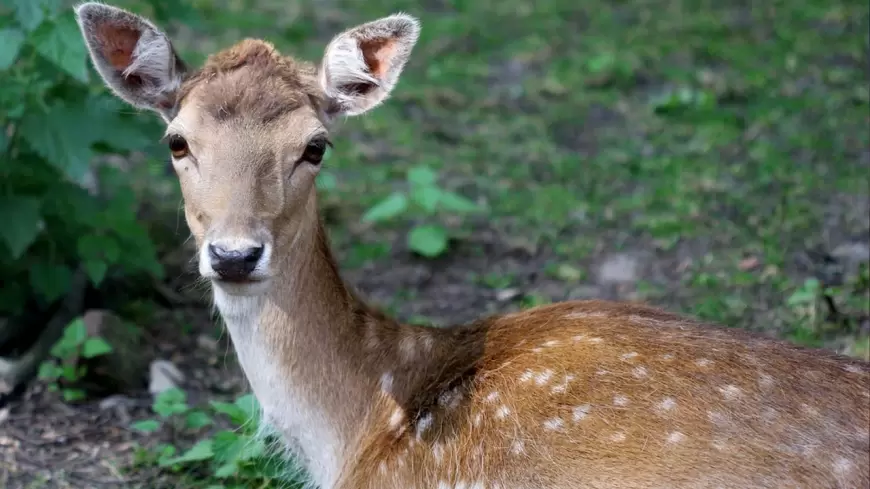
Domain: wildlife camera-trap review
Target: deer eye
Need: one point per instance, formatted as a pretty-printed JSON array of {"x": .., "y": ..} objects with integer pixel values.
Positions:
[
  {"x": 178, "y": 146},
  {"x": 315, "y": 150}
]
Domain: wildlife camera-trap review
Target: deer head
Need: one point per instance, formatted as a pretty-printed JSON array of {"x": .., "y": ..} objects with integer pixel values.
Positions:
[{"x": 247, "y": 132}]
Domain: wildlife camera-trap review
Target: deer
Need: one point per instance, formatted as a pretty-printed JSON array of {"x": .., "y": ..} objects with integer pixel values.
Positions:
[{"x": 577, "y": 394}]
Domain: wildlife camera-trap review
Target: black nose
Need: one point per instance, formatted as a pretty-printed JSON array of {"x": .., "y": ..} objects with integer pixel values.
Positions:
[{"x": 234, "y": 264}]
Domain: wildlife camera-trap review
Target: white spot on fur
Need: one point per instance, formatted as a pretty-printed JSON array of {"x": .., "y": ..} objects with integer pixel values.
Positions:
[
  {"x": 492, "y": 396},
  {"x": 842, "y": 467},
  {"x": 620, "y": 400},
  {"x": 518, "y": 447},
  {"x": 717, "y": 418},
  {"x": 387, "y": 382},
  {"x": 579, "y": 337},
  {"x": 617, "y": 437},
  {"x": 537, "y": 349},
  {"x": 639, "y": 372},
  {"x": 667, "y": 357},
  {"x": 551, "y": 343},
  {"x": 450, "y": 398},
  {"x": 563, "y": 386},
  {"x": 526, "y": 376},
  {"x": 730, "y": 392},
  {"x": 667, "y": 404},
  {"x": 719, "y": 444},
  {"x": 602, "y": 372},
  {"x": 628, "y": 356},
  {"x": 438, "y": 452},
  {"x": 396, "y": 418},
  {"x": 477, "y": 419},
  {"x": 596, "y": 340},
  {"x": 765, "y": 381},
  {"x": 554, "y": 424},
  {"x": 769, "y": 414},
  {"x": 676, "y": 437},
  {"x": 703, "y": 362},
  {"x": 580, "y": 412},
  {"x": 502, "y": 412},
  {"x": 423, "y": 424},
  {"x": 407, "y": 347},
  {"x": 543, "y": 377}
]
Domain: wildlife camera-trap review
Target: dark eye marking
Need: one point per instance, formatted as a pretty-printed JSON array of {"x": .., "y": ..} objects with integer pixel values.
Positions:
[
  {"x": 178, "y": 146},
  {"x": 315, "y": 149}
]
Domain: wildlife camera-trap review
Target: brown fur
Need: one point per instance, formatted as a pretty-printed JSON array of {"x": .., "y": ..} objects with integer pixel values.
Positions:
[
  {"x": 282, "y": 83},
  {"x": 747, "y": 411}
]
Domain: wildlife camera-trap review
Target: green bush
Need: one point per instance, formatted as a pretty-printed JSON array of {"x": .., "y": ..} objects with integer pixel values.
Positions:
[
  {"x": 232, "y": 458},
  {"x": 60, "y": 211}
]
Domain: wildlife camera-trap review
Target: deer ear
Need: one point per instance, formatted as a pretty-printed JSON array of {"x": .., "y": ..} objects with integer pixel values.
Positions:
[
  {"x": 361, "y": 66},
  {"x": 134, "y": 58}
]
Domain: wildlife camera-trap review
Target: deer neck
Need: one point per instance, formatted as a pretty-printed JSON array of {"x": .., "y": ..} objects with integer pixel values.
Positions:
[{"x": 298, "y": 346}]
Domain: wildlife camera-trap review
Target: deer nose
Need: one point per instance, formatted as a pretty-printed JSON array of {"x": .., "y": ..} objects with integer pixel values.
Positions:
[{"x": 234, "y": 264}]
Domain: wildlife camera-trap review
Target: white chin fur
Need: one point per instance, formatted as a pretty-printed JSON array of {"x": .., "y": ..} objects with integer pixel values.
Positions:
[{"x": 248, "y": 289}]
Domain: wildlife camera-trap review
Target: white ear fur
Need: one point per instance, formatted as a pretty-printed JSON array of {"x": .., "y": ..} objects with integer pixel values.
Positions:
[
  {"x": 135, "y": 59},
  {"x": 360, "y": 66}
]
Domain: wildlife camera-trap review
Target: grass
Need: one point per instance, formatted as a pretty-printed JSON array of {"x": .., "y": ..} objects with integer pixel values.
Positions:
[
  {"x": 726, "y": 143},
  {"x": 719, "y": 148}
]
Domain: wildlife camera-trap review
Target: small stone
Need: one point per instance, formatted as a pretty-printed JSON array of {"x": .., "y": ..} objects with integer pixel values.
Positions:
[
  {"x": 507, "y": 294},
  {"x": 619, "y": 269},
  {"x": 164, "y": 376},
  {"x": 207, "y": 343}
]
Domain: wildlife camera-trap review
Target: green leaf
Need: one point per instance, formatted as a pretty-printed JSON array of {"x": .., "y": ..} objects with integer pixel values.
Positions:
[
  {"x": 62, "y": 136},
  {"x": 31, "y": 13},
  {"x": 61, "y": 43},
  {"x": 226, "y": 470},
  {"x": 427, "y": 198},
  {"x": 169, "y": 402},
  {"x": 387, "y": 209},
  {"x": 236, "y": 414},
  {"x": 249, "y": 404},
  {"x": 70, "y": 395},
  {"x": 422, "y": 176},
  {"x": 49, "y": 371},
  {"x": 22, "y": 222},
  {"x": 11, "y": 41},
  {"x": 202, "y": 450},
  {"x": 196, "y": 420},
  {"x": 146, "y": 426},
  {"x": 75, "y": 332},
  {"x": 457, "y": 203},
  {"x": 96, "y": 270},
  {"x": 50, "y": 281},
  {"x": 252, "y": 449},
  {"x": 428, "y": 240},
  {"x": 95, "y": 346},
  {"x": 98, "y": 247}
]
